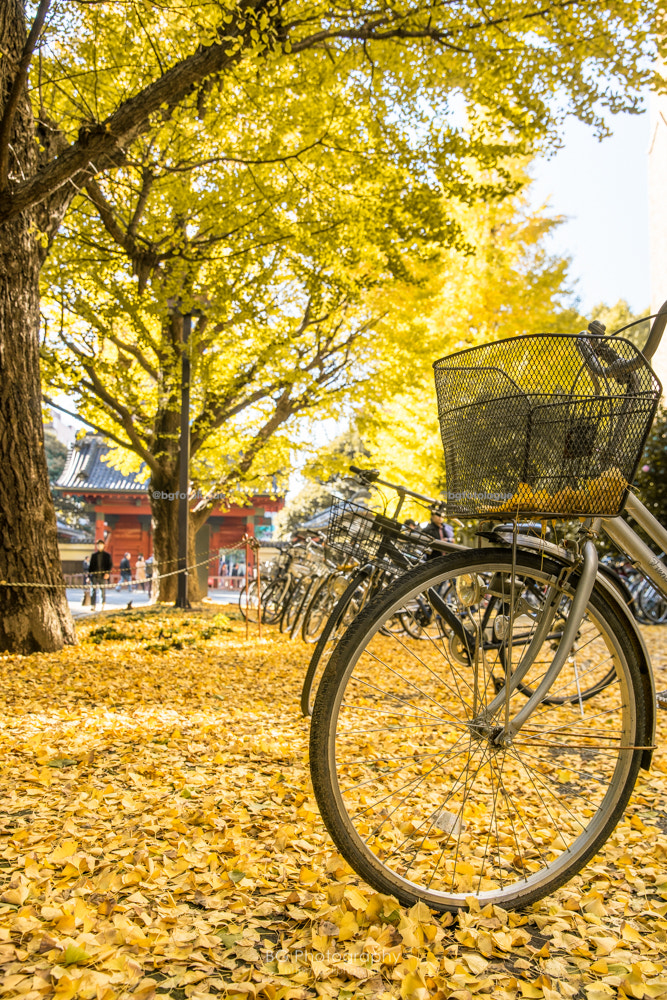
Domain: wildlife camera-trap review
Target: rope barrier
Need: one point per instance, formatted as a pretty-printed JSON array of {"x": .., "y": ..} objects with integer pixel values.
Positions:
[{"x": 158, "y": 576}]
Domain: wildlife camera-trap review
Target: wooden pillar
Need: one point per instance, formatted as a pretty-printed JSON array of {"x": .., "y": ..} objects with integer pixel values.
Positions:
[{"x": 99, "y": 524}]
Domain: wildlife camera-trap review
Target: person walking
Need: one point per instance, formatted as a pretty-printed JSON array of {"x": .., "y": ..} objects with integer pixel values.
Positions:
[
  {"x": 149, "y": 574},
  {"x": 140, "y": 572},
  {"x": 85, "y": 585},
  {"x": 125, "y": 573},
  {"x": 100, "y": 572}
]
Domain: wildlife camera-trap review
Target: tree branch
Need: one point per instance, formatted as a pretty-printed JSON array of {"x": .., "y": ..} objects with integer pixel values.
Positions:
[
  {"x": 135, "y": 352},
  {"x": 147, "y": 178},
  {"x": 126, "y": 422},
  {"x": 111, "y": 224},
  {"x": 88, "y": 423},
  {"x": 18, "y": 87},
  {"x": 95, "y": 148}
]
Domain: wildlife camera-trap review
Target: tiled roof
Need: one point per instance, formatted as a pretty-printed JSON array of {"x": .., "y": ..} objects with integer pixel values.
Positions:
[{"x": 85, "y": 472}]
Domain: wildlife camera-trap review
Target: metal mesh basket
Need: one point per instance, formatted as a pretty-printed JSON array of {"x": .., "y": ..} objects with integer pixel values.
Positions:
[
  {"x": 305, "y": 561},
  {"x": 526, "y": 427},
  {"x": 353, "y": 532},
  {"x": 357, "y": 532}
]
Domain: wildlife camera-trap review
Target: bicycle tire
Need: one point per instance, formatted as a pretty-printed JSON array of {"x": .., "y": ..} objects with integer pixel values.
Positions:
[
  {"x": 248, "y": 601},
  {"x": 593, "y": 768},
  {"x": 271, "y": 602},
  {"x": 287, "y": 611},
  {"x": 307, "y": 591},
  {"x": 322, "y": 603},
  {"x": 316, "y": 664},
  {"x": 652, "y": 605}
]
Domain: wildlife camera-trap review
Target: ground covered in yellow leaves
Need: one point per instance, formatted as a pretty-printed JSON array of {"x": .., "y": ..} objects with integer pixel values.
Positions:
[{"x": 160, "y": 838}]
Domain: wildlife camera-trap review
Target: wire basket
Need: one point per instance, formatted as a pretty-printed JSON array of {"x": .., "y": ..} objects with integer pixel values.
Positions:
[
  {"x": 412, "y": 544},
  {"x": 357, "y": 532},
  {"x": 353, "y": 532},
  {"x": 527, "y": 428},
  {"x": 304, "y": 561}
]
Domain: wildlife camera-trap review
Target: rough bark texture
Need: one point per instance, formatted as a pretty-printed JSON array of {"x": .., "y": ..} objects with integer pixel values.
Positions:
[
  {"x": 165, "y": 539},
  {"x": 165, "y": 469},
  {"x": 165, "y": 533},
  {"x": 31, "y": 619}
]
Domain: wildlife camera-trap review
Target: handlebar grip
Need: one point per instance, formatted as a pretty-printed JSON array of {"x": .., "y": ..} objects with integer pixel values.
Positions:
[
  {"x": 595, "y": 348},
  {"x": 589, "y": 355},
  {"x": 656, "y": 332},
  {"x": 370, "y": 475}
]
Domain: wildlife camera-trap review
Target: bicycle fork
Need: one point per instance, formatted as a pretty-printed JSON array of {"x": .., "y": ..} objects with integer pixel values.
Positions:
[
  {"x": 502, "y": 735},
  {"x": 575, "y": 617}
]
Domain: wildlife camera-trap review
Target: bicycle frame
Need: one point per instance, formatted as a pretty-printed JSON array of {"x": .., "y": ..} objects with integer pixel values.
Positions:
[
  {"x": 632, "y": 546},
  {"x": 629, "y": 542}
]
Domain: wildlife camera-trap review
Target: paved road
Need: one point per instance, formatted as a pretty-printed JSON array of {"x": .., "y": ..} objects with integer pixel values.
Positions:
[{"x": 117, "y": 600}]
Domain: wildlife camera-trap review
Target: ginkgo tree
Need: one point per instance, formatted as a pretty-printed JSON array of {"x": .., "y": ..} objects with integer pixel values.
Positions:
[
  {"x": 278, "y": 253},
  {"x": 517, "y": 66},
  {"x": 510, "y": 286}
]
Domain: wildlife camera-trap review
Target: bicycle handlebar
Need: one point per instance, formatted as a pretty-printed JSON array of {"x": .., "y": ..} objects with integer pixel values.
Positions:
[
  {"x": 656, "y": 332},
  {"x": 372, "y": 476},
  {"x": 596, "y": 348}
]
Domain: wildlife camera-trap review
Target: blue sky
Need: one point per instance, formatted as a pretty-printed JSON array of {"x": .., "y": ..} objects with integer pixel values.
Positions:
[{"x": 602, "y": 189}]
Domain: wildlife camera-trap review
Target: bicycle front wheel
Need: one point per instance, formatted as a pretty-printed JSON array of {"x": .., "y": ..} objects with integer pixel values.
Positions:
[{"x": 412, "y": 785}]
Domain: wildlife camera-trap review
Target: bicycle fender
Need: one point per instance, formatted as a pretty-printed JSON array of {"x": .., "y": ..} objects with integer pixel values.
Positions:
[
  {"x": 645, "y": 668},
  {"x": 621, "y": 608}
]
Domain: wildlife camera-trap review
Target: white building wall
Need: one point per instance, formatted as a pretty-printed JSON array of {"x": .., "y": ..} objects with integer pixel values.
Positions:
[{"x": 657, "y": 193}]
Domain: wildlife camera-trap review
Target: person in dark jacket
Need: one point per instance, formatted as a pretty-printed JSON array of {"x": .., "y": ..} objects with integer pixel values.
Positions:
[
  {"x": 125, "y": 573},
  {"x": 100, "y": 572},
  {"x": 439, "y": 530}
]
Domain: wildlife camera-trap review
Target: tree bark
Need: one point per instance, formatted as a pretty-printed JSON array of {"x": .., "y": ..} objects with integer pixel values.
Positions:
[
  {"x": 165, "y": 538},
  {"x": 165, "y": 532},
  {"x": 31, "y": 618}
]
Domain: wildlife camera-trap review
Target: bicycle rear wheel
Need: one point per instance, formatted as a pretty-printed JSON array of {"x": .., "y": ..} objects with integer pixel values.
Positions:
[
  {"x": 414, "y": 791},
  {"x": 342, "y": 614},
  {"x": 272, "y": 597},
  {"x": 319, "y": 608},
  {"x": 303, "y": 601}
]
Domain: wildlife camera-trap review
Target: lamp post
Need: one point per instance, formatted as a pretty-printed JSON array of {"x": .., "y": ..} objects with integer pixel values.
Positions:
[{"x": 184, "y": 469}]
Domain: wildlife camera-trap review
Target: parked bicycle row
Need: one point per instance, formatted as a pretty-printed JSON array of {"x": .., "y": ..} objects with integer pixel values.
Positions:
[{"x": 320, "y": 581}]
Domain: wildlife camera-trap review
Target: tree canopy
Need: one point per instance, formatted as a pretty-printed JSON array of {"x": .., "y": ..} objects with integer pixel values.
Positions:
[
  {"x": 87, "y": 84},
  {"x": 107, "y": 73},
  {"x": 510, "y": 286}
]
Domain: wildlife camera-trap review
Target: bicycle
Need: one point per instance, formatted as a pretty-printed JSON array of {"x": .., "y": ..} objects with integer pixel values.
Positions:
[
  {"x": 279, "y": 583},
  {"x": 435, "y": 782},
  {"x": 324, "y": 598},
  {"x": 383, "y": 549}
]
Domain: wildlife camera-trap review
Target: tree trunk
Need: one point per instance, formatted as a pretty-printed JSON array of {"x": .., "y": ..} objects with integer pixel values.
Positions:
[
  {"x": 165, "y": 538},
  {"x": 31, "y": 619},
  {"x": 164, "y": 505}
]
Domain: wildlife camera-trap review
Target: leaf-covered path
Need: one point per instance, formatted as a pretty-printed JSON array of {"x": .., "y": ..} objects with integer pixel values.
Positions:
[{"x": 159, "y": 836}]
